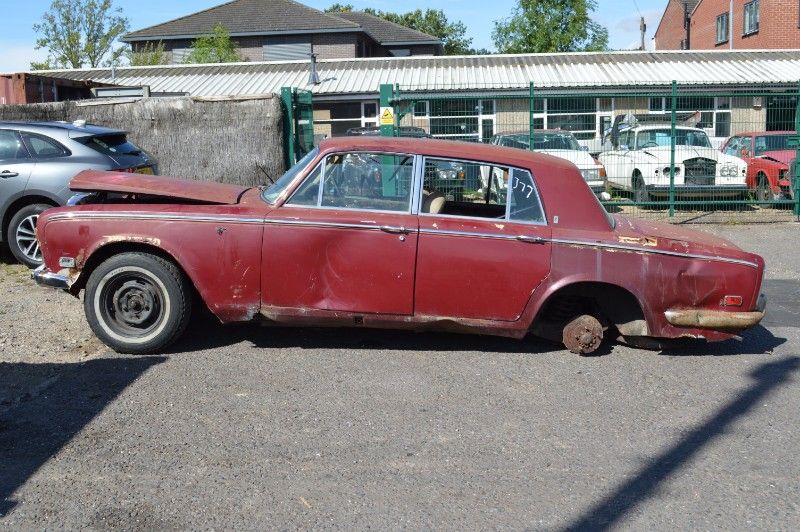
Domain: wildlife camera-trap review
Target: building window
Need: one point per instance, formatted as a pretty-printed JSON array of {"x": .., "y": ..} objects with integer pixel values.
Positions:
[
  {"x": 656, "y": 104},
  {"x": 286, "y": 48},
  {"x": 751, "y": 17},
  {"x": 722, "y": 28},
  {"x": 467, "y": 119},
  {"x": 421, "y": 109}
]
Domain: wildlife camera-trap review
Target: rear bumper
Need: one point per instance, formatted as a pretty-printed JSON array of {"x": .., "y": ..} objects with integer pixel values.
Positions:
[
  {"x": 717, "y": 319},
  {"x": 43, "y": 277}
]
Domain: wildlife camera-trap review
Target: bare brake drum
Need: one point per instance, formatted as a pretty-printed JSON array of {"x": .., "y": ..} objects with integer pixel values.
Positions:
[{"x": 583, "y": 335}]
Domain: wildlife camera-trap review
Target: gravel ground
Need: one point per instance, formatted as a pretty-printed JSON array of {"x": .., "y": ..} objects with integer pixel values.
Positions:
[{"x": 246, "y": 427}]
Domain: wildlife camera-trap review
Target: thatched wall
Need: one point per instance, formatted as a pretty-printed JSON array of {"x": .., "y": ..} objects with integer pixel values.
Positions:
[{"x": 231, "y": 140}]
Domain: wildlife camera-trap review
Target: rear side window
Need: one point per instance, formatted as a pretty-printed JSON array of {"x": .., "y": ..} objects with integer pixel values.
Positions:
[
  {"x": 11, "y": 146},
  {"x": 112, "y": 145},
  {"x": 42, "y": 147}
]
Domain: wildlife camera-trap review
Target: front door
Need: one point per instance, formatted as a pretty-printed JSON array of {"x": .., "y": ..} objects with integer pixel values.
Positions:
[
  {"x": 345, "y": 240},
  {"x": 16, "y": 166},
  {"x": 481, "y": 254}
]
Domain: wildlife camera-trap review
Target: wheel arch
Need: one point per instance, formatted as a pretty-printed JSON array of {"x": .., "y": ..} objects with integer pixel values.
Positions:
[
  {"x": 617, "y": 304},
  {"x": 21, "y": 202}
]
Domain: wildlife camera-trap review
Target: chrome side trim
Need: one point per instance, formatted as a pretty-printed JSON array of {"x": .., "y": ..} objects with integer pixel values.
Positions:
[
  {"x": 470, "y": 234},
  {"x": 171, "y": 217},
  {"x": 622, "y": 247},
  {"x": 336, "y": 225}
]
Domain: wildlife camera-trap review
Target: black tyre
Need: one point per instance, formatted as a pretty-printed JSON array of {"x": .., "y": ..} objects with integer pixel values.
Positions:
[
  {"x": 21, "y": 235},
  {"x": 763, "y": 190},
  {"x": 640, "y": 194},
  {"x": 137, "y": 302}
]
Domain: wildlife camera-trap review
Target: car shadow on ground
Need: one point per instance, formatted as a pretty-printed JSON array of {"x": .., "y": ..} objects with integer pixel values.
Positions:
[
  {"x": 43, "y": 406},
  {"x": 610, "y": 510},
  {"x": 205, "y": 332}
]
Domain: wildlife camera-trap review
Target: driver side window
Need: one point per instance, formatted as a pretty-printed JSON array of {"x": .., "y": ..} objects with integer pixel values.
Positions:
[{"x": 368, "y": 181}]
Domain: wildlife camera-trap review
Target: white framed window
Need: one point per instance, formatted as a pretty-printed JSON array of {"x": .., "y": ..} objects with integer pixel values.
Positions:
[
  {"x": 421, "y": 109},
  {"x": 722, "y": 28},
  {"x": 751, "y": 17}
]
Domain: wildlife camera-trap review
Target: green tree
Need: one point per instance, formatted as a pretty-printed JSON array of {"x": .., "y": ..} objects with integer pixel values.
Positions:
[
  {"x": 215, "y": 48},
  {"x": 80, "y": 33},
  {"x": 538, "y": 26},
  {"x": 431, "y": 21},
  {"x": 149, "y": 54}
]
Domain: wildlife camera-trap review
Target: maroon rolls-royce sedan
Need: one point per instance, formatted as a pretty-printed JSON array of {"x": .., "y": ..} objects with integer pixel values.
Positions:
[{"x": 398, "y": 233}]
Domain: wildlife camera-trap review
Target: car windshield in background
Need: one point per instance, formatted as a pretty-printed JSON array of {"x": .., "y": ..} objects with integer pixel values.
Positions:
[
  {"x": 651, "y": 138},
  {"x": 112, "y": 145},
  {"x": 766, "y": 143},
  {"x": 275, "y": 190},
  {"x": 541, "y": 141}
]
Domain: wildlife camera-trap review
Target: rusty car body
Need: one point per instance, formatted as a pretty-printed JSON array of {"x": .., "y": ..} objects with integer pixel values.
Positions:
[
  {"x": 768, "y": 155},
  {"x": 355, "y": 235}
]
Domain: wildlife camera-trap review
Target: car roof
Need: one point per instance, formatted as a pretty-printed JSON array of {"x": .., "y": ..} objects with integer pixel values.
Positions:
[
  {"x": 85, "y": 129},
  {"x": 763, "y": 133}
]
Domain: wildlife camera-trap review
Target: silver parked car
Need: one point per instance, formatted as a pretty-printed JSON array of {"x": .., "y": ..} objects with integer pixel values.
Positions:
[{"x": 37, "y": 161}]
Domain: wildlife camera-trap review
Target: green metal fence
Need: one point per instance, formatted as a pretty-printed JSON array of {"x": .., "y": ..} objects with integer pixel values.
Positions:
[
  {"x": 678, "y": 153},
  {"x": 298, "y": 123}
]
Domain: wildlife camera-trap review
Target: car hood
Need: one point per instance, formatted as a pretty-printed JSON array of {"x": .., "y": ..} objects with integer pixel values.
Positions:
[
  {"x": 682, "y": 153},
  {"x": 579, "y": 158},
  {"x": 784, "y": 156},
  {"x": 676, "y": 239},
  {"x": 164, "y": 187}
]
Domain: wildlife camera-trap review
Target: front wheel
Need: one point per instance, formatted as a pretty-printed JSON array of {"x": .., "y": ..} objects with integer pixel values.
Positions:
[
  {"x": 640, "y": 193},
  {"x": 137, "y": 302}
]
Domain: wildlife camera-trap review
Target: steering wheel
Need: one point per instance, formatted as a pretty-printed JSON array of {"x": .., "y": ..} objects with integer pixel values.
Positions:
[{"x": 651, "y": 144}]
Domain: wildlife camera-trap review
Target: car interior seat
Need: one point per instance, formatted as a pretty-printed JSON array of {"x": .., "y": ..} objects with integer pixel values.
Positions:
[{"x": 432, "y": 201}]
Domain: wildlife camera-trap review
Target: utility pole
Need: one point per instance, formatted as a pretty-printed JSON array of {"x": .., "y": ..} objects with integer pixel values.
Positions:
[
  {"x": 730, "y": 27},
  {"x": 642, "y": 30}
]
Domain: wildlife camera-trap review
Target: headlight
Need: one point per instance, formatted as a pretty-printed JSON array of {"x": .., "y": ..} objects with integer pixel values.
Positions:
[{"x": 590, "y": 174}]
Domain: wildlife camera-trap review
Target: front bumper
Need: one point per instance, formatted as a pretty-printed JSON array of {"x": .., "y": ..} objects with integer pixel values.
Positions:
[
  {"x": 719, "y": 320},
  {"x": 44, "y": 277}
]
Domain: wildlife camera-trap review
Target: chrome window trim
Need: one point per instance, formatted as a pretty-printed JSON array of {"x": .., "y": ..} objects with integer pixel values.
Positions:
[
  {"x": 470, "y": 234},
  {"x": 505, "y": 218}
]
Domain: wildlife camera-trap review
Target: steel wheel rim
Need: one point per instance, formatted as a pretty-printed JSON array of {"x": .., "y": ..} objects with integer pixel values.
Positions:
[
  {"x": 26, "y": 238},
  {"x": 132, "y": 305}
]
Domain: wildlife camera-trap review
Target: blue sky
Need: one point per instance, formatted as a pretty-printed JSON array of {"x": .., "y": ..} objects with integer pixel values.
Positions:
[{"x": 621, "y": 17}]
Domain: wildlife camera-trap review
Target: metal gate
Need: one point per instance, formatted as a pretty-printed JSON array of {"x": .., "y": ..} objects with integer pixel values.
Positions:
[{"x": 298, "y": 124}]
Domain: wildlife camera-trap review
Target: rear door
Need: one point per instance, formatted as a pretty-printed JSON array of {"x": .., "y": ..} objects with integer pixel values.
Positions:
[
  {"x": 480, "y": 257},
  {"x": 16, "y": 166},
  {"x": 346, "y": 239}
]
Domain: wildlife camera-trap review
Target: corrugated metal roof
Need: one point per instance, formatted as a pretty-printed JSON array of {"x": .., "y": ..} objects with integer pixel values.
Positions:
[{"x": 615, "y": 70}]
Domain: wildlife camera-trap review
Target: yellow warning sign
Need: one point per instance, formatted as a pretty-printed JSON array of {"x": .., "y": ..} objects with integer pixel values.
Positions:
[{"x": 387, "y": 116}]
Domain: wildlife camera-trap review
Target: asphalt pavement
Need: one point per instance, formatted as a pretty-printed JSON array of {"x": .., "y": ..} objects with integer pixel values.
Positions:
[{"x": 249, "y": 427}]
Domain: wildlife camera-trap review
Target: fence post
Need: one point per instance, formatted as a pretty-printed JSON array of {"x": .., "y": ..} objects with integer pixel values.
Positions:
[
  {"x": 531, "y": 120},
  {"x": 674, "y": 109},
  {"x": 796, "y": 176},
  {"x": 387, "y": 94},
  {"x": 287, "y": 99}
]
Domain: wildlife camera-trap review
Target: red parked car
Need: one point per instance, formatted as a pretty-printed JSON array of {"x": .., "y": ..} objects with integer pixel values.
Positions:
[
  {"x": 356, "y": 234},
  {"x": 768, "y": 157}
]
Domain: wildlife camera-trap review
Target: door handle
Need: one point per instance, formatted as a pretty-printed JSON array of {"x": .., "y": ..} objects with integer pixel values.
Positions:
[
  {"x": 395, "y": 230},
  {"x": 5, "y": 174},
  {"x": 532, "y": 239}
]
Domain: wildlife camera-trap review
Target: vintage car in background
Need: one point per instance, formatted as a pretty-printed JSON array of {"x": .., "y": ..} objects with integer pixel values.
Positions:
[
  {"x": 768, "y": 156},
  {"x": 638, "y": 159},
  {"x": 37, "y": 160},
  {"x": 357, "y": 234},
  {"x": 559, "y": 143}
]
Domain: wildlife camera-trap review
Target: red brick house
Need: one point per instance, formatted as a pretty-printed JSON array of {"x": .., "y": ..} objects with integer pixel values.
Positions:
[
  {"x": 285, "y": 30},
  {"x": 711, "y": 24}
]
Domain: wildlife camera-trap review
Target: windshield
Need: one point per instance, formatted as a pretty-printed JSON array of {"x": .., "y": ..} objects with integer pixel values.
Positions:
[
  {"x": 116, "y": 144},
  {"x": 766, "y": 143},
  {"x": 275, "y": 190},
  {"x": 542, "y": 141},
  {"x": 651, "y": 138}
]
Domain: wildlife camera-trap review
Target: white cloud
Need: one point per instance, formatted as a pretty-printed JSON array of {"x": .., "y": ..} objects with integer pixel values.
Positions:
[{"x": 18, "y": 57}]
